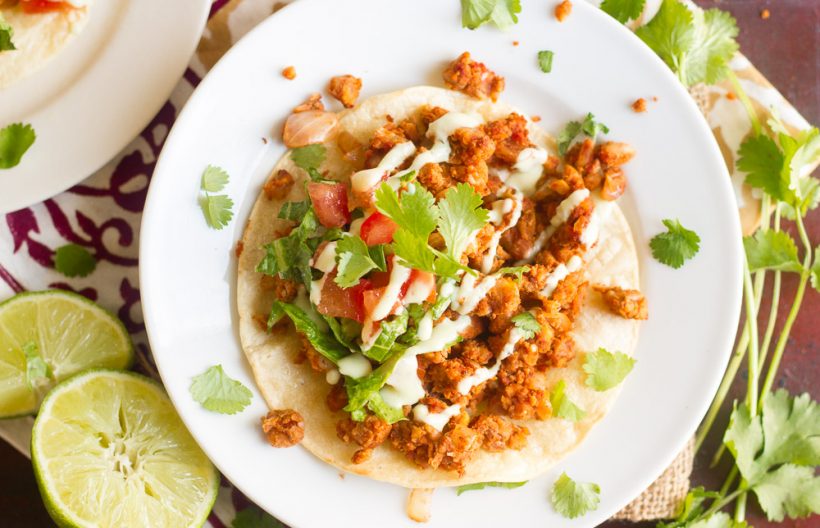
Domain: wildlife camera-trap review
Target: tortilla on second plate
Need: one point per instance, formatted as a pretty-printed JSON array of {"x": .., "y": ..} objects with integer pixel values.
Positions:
[
  {"x": 38, "y": 37},
  {"x": 284, "y": 384}
]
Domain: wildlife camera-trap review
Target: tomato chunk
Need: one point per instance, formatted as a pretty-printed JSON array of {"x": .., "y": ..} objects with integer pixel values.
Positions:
[
  {"x": 343, "y": 302},
  {"x": 421, "y": 286},
  {"x": 378, "y": 229},
  {"x": 330, "y": 202},
  {"x": 44, "y": 6}
]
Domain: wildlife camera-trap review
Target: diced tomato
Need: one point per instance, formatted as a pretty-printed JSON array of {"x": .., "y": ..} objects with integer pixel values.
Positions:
[
  {"x": 330, "y": 202},
  {"x": 343, "y": 302},
  {"x": 44, "y": 6},
  {"x": 378, "y": 229}
]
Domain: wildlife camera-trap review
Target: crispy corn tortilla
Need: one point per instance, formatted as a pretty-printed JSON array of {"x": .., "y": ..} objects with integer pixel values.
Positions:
[
  {"x": 285, "y": 384},
  {"x": 38, "y": 37}
]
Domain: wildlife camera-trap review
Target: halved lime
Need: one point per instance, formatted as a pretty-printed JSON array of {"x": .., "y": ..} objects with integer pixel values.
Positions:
[
  {"x": 70, "y": 334},
  {"x": 110, "y": 451}
]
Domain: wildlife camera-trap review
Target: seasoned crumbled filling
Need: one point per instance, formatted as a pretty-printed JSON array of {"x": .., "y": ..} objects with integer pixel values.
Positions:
[
  {"x": 283, "y": 427},
  {"x": 493, "y": 375},
  {"x": 345, "y": 88}
]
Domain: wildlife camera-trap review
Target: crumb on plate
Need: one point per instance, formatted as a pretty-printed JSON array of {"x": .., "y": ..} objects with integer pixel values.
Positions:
[
  {"x": 639, "y": 105},
  {"x": 765, "y": 14},
  {"x": 289, "y": 73},
  {"x": 563, "y": 10}
]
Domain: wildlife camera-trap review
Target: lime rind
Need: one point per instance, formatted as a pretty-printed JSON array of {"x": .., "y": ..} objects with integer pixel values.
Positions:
[
  {"x": 172, "y": 434},
  {"x": 71, "y": 333}
]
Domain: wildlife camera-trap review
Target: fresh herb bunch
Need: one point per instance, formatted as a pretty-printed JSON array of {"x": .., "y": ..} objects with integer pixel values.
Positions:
[{"x": 772, "y": 436}]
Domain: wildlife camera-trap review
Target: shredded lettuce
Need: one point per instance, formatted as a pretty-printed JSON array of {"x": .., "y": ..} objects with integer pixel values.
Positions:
[
  {"x": 390, "y": 331},
  {"x": 324, "y": 344},
  {"x": 364, "y": 392}
]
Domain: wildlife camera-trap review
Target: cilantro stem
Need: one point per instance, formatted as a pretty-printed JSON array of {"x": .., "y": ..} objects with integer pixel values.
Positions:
[
  {"x": 798, "y": 300},
  {"x": 740, "y": 505},
  {"x": 775, "y": 302},
  {"x": 751, "y": 322},
  {"x": 747, "y": 103}
]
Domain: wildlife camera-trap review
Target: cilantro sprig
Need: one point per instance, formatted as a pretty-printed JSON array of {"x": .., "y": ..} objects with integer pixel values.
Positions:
[
  {"x": 562, "y": 406},
  {"x": 502, "y": 13},
  {"x": 15, "y": 140},
  {"x": 588, "y": 127},
  {"x": 573, "y": 499},
  {"x": 606, "y": 369},
  {"x": 457, "y": 216},
  {"x": 527, "y": 324},
  {"x": 676, "y": 245},
  {"x": 218, "y": 392},
  {"x": 356, "y": 259},
  {"x": 697, "y": 45},
  {"x": 217, "y": 208}
]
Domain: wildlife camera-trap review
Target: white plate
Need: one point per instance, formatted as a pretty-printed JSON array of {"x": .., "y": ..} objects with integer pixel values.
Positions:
[
  {"x": 98, "y": 93},
  {"x": 187, "y": 270}
]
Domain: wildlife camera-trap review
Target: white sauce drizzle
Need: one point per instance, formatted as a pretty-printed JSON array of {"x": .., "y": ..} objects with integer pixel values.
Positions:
[
  {"x": 425, "y": 328},
  {"x": 398, "y": 276},
  {"x": 515, "y": 215},
  {"x": 560, "y": 273},
  {"x": 568, "y": 205},
  {"x": 419, "y": 290},
  {"x": 326, "y": 260},
  {"x": 437, "y": 421},
  {"x": 365, "y": 180},
  {"x": 483, "y": 374},
  {"x": 404, "y": 387},
  {"x": 333, "y": 376},
  {"x": 527, "y": 169},
  {"x": 470, "y": 293},
  {"x": 355, "y": 366}
]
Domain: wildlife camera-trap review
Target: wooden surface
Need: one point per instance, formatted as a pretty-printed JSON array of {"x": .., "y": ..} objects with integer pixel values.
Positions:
[{"x": 786, "y": 49}]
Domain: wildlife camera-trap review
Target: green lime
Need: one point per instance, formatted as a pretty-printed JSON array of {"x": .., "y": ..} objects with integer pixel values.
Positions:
[
  {"x": 60, "y": 332},
  {"x": 110, "y": 451}
]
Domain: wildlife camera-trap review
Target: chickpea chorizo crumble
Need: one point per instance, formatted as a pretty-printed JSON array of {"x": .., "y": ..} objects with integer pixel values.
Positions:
[
  {"x": 283, "y": 428},
  {"x": 639, "y": 105},
  {"x": 289, "y": 73},
  {"x": 563, "y": 10}
]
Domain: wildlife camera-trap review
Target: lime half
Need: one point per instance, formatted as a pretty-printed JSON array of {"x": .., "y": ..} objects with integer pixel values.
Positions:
[
  {"x": 63, "y": 330},
  {"x": 110, "y": 451}
]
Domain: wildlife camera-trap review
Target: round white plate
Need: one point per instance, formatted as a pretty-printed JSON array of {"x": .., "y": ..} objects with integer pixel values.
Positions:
[
  {"x": 188, "y": 270},
  {"x": 98, "y": 93}
]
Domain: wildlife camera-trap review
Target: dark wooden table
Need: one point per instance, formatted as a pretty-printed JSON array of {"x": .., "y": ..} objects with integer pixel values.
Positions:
[{"x": 786, "y": 49}]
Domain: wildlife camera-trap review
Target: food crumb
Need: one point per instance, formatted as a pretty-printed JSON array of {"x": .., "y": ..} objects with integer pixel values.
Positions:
[
  {"x": 264, "y": 141},
  {"x": 563, "y": 10},
  {"x": 342, "y": 476},
  {"x": 240, "y": 245},
  {"x": 289, "y": 73},
  {"x": 639, "y": 105},
  {"x": 731, "y": 96},
  {"x": 765, "y": 14},
  {"x": 515, "y": 43},
  {"x": 535, "y": 118},
  {"x": 654, "y": 99}
]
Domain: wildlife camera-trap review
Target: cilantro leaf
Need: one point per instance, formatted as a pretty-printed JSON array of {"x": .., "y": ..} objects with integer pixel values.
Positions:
[
  {"x": 776, "y": 452},
  {"x": 356, "y": 260},
  {"x": 545, "y": 60},
  {"x": 214, "y": 179},
  {"x": 15, "y": 140},
  {"x": 696, "y": 45},
  {"x": 606, "y": 369},
  {"x": 589, "y": 127},
  {"x": 527, "y": 324},
  {"x": 460, "y": 215},
  {"x": 289, "y": 256},
  {"x": 623, "y": 10},
  {"x": 309, "y": 156},
  {"x": 218, "y": 210},
  {"x": 769, "y": 249},
  {"x": 692, "y": 512},
  {"x": 414, "y": 251},
  {"x": 324, "y": 344},
  {"x": 573, "y": 499},
  {"x": 6, "y": 33},
  {"x": 502, "y": 13},
  {"x": 675, "y": 246},
  {"x": 762, "y": 161},
  {"x": 562, "y": 407},
  {"x": 217, "y": 392},
  {"x": 416, "y": 212},
  {"x": 815, "y": 270},
  {"x": 482, "y": 485},
  {"x": 254, "y": 517},
  {"x": 801, "y": 151},
  {"x": 73, "y": 260},
  {"x": 36, "y": 368},
  {"x": 518, "y": 271}
]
